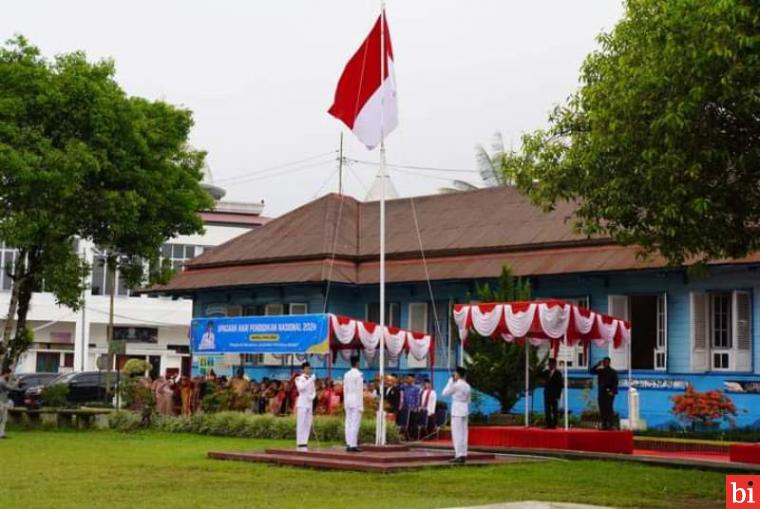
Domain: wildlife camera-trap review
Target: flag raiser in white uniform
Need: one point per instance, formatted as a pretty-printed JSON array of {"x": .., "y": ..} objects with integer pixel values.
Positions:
[
  {"x": 353, "y": 403},
  {"x": 459, "y": 390},
  {"x": 304, "y": 408}
]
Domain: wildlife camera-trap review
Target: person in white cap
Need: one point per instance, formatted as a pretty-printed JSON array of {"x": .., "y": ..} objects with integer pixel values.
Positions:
[
  {"x": 304, "y": 406},
  {"x": 353, "y": 403},
  {"x": 459, "y": 390}
]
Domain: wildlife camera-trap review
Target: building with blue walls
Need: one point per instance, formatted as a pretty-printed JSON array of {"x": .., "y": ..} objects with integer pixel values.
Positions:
[{"x": 323, "y": 256}]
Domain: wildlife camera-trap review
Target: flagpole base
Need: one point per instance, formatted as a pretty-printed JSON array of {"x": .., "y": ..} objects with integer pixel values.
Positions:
[{"x": 380, "y": 428}]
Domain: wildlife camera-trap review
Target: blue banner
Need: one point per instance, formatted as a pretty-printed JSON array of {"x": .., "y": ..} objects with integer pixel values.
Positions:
[{"x": 261, "y": 334}]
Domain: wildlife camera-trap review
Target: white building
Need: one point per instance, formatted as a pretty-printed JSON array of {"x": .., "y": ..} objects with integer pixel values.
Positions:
[{"x": 155, "y": 329}]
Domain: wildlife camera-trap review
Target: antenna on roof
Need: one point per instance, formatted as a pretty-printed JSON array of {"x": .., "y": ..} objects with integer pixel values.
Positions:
[{"x": 340, "y": 166}]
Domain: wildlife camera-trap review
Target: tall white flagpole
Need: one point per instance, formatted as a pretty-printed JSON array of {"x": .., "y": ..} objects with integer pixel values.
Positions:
[
  {"x": 527, "y": 383},
  {"x": 567, "y": 424},
  {"x": 380, "y": 425}
]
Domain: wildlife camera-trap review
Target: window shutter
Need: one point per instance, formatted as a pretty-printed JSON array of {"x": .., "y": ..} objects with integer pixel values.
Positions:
[
  {"x": 618, "y": 307},
  {"x": 698, "y": 330},
  {"x": 742, "y": 331}
]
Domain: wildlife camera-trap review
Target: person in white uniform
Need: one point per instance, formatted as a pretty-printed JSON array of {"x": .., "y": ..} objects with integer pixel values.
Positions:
[
  {"x": 208, "y": 340},
  {"x": 304, "y": 406},
  {"x": 353, "y": 403},
  {"x": 459, "y": 390},
  {"x": 5, "y": 402}
]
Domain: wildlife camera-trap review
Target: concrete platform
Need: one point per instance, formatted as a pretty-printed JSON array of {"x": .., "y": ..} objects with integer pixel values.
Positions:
[{"x": 391, "y": 458}]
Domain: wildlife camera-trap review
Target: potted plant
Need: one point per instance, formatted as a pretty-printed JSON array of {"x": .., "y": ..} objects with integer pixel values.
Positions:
[{"x": 704, "y": 410}]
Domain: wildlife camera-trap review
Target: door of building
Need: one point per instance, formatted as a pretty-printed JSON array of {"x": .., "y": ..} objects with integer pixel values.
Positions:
[{"x": 48, "y": 362}]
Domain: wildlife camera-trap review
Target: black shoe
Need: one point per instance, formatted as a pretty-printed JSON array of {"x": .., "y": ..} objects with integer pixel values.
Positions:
[
  {"x": 353, "y": 449},
  {"x": 459, "y": 460}
]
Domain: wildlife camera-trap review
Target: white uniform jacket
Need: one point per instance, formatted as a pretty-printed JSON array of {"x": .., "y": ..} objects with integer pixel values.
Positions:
[
  {"x": 431, "y": 401},
  {"x": 306, "y": 391},
  {"x": 353, "y": 390},
  {"x": 460, "y": 397}
]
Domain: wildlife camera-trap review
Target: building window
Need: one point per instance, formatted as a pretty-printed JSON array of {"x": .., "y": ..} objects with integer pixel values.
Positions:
[
  {"x": 101, "y": 281},
  {"x": 720, "y": 320},
  {"x": 7, "y": 262},
  {"x": 178, "y": 254},
  {"x": 721, "y": 331},
  {"x": 392, "y": 315},
  {"x": 418, "y": 322},
  {"x": 296, "y": 308}
]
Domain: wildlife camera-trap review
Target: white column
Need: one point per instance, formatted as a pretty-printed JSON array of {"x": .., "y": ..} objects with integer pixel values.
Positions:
[{"x": 82, "y": 319}]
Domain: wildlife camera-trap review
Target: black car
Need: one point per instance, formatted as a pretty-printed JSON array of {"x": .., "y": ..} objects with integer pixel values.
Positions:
[
  {"x": 28, "y": 380},
  {"x": 84, "y": 387}
]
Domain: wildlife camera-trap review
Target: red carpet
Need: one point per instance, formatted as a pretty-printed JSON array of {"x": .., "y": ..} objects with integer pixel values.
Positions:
[
  {"x": 590, "y": 440},
  {"x": 745, "y": 453}
]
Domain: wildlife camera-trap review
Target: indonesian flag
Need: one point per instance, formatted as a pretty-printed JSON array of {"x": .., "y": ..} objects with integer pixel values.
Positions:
[{"x": 364, "y": 102}]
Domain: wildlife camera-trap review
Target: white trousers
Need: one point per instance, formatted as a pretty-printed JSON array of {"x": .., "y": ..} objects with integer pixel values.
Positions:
[
  {"x": 353, "y": 421},
  {"x": 303, "y": 425},
  {"x": 3, "y": 417},
  {"x": 459, "y": 436}
]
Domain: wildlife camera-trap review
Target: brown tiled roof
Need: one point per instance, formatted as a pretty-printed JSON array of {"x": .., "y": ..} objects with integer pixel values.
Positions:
[{"x": 465, "y": 235}]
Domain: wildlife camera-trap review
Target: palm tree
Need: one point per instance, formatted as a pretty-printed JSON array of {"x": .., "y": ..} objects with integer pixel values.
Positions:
[{"x": 490, "y": 166}]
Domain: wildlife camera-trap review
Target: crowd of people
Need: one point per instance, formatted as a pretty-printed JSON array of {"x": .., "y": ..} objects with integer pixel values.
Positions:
[{"x": 408, "y": 400}]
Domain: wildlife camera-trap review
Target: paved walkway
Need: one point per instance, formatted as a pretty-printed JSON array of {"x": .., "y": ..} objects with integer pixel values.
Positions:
[
  {"x": 704, "y": 461},
  {"x": 532, "y": 504}
]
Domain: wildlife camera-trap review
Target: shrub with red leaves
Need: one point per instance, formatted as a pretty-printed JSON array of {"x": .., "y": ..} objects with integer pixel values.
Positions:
[{"x": 703, "y": 407}]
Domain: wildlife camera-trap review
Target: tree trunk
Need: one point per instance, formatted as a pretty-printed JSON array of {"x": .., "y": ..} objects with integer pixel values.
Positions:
[
  {"x": 18, "y": 277},
  {"x": 21, "y": 340},
  {"x": 8, "y": 327}
]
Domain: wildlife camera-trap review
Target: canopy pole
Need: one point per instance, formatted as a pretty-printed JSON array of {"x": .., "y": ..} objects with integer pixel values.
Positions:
[
  {"x": 380, "y": 424},
  {"x": 527, "y": 385},
  {"x": 630, "y": 386},
  {"x": 567, "y": 424}
]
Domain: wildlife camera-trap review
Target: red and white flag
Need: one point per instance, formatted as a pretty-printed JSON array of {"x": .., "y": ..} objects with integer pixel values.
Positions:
[{"x": 364, "y": 102}]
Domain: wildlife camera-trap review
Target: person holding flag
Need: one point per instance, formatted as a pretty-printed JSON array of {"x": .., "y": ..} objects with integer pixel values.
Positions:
[{"x": 305, "y": 384}]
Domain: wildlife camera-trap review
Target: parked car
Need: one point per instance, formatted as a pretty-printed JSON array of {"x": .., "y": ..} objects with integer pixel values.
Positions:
[
  {"x": 84, "y": 387},
  {"x": 27, "y": 380}
]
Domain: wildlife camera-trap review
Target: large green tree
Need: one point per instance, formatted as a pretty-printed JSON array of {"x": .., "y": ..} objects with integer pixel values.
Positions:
[
  {"x": 497, "y": 367},
  {"x": 660, "y": 146},
  {"x": 79, "y": 158}
]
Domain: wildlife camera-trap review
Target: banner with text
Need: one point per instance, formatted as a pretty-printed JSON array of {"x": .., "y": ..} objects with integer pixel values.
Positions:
[{"x": 261, "y": 334}]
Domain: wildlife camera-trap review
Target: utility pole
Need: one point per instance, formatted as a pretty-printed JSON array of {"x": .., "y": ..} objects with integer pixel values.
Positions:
[{"x": 340, "y": 165}]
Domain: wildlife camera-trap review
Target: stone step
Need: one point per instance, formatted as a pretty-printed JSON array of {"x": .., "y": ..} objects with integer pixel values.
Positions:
[
  {"x": 382, "y": 456},
  {"x": 351, "y": 463}
]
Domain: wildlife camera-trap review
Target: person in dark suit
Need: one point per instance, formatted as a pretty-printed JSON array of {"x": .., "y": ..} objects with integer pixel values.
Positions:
[
  {"x": 553, "y": 385},
  {"x": 607, "y": 382}
]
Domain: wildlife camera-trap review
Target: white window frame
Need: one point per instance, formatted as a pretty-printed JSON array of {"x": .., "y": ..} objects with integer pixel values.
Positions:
[
  {"x": 619, "y": 306},
  {"x": 661, "y": 345},
  {"x": 705, "y": 355}
]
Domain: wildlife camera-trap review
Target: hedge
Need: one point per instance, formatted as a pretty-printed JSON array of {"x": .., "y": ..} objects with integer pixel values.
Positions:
[{"x": 237, "y": 424}]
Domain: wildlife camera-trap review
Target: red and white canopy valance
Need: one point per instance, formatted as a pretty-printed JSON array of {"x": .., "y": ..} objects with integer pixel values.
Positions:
[
  {"x": 541, "y": 321},
  {"x": 350, "y": 334}
]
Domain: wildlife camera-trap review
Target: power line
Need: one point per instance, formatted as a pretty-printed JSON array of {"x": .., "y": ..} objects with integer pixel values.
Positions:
[
  {"x": 276, "y": 167},
  {"x": 284, "y": 171},
  {"x": 414, "y": 167}
]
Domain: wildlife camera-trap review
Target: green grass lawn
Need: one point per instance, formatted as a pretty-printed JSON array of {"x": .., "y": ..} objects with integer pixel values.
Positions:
[{"x": 107, "y": 469}]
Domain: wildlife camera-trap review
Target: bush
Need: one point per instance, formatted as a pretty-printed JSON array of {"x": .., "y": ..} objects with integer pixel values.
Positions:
[
  {"x": 125, "y": 421},
  {"x": 236, "y": 424},
  {"x": 55, "y": 396}
]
